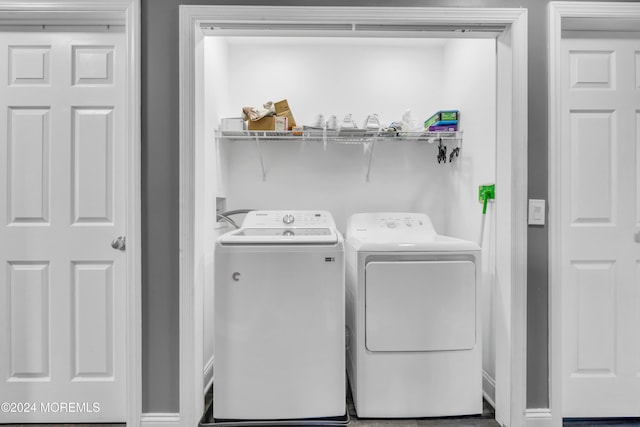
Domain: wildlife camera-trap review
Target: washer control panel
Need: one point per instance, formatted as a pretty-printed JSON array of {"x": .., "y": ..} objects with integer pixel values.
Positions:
[{"x": 289, "y": 219}]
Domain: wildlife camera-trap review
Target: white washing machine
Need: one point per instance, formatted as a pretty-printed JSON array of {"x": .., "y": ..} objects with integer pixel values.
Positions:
[
  {"x": 279, "y": 318},
  {"x": 414, "y": 345}
]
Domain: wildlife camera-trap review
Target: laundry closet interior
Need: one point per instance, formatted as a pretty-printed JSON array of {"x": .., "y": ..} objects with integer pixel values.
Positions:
[{"x": 333, "y": 71}]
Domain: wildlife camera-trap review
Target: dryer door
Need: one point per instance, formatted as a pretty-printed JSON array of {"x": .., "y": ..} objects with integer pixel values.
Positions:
[{"x": 420, "y": 305}]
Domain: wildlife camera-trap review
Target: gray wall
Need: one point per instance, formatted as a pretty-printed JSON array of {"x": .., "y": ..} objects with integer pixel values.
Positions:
[
  {"x": 160, "y": 206},
  {"x": 160, "y": 186}
]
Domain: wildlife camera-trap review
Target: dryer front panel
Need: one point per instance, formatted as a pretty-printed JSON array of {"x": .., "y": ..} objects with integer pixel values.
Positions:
[{"x": 420, "y": 305}]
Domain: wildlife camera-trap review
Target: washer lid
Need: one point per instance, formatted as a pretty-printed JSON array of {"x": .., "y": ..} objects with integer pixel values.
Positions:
[{"x": 280, "y": 236}]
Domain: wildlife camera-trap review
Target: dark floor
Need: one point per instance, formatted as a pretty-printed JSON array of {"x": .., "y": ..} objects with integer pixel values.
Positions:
[
  {"x": 629, "y": 422},
  {"x": 484, "y": 420},
  {"x": 463, "y": 422},
  {"x": 487, "y": 419}
]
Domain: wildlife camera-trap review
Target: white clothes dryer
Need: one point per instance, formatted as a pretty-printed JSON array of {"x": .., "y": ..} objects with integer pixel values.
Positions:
[
  {"x": 414, "y": 345},
  {"x": 279, "y": 318}
]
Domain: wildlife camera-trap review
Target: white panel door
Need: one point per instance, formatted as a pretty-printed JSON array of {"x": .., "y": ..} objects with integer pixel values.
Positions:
[
  {"x": 62, "y": 202},
  {"x": 600, "y": 227}
]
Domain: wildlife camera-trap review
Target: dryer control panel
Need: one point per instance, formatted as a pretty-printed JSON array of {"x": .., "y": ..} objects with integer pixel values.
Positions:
[
  {"x": 399, "y": 231},
  {"x": 395, "y": 228},
  {"x": 288, "y": 219},
  {"x": 399, "y": 221}
]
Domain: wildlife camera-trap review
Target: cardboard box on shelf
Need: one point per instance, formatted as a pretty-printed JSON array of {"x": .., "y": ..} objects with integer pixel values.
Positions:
[
  {"x": 268, "y": 123},
  {"x": 283, "y": 110}
]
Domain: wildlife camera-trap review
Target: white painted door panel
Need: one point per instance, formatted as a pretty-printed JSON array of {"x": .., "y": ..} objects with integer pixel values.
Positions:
[
  {"x": 62, "y": 187},
  {"x": 600, "y": 219}
]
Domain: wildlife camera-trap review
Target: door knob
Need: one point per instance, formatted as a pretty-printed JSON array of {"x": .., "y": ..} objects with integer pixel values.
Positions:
[{"x": 119, "y": 243}]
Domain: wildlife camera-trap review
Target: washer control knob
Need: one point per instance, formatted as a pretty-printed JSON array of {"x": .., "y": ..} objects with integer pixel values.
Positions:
[{"x": 288, "y": 219}]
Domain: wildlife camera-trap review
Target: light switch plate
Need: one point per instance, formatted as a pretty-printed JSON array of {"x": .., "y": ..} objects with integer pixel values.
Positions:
[{"x": 537, "y": 212}]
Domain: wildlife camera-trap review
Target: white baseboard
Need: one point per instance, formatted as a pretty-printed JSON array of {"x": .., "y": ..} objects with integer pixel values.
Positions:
[
  {"x": 538, "y": 417},
  {"x": 208, "y": 375},
  {"x": 160, "y": 420},
  {"x": 489, "y": 388}
]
